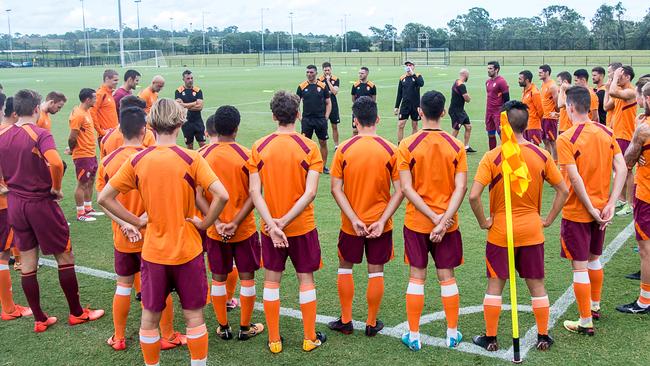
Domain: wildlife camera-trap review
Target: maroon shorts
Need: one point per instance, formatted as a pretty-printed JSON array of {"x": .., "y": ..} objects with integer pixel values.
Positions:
[
  {"x": 534, "y": 136},
  {"x": 378, "y": 250},
  {"x": 549, "y": 129},
  {"x": 529, "y": 261},
  {"x": 623, "y": 144},
  {"x": 204, "y": 240},
  {"x": 38, "y": 224},
  {"x": 641, "y": 219},
  {"x": 246, "y": 254},
  {"x": 86, "y": 168},
  {"x": 187, "y": 279},
  {"x": 446, "y": 255},
  {"x": 579, "y": 239},
  {"x": 6, "y": 236},
  {"x": 127, "y": 264},
  {"x": 304, "y": 251},
  {"x": 492, "y": 122}
]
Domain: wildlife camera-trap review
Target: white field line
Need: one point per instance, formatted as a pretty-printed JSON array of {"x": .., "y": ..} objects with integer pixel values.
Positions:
[{"x": 558, "y": 309}]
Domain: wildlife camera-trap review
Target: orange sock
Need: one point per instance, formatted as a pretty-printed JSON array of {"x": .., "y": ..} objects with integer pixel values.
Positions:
[
  {"x": 247, "y": 297},
  {"x": 491, "y": 314},
  {"x": 121, "y": 306},
  {"x": 345, "y": 285},
  {"x": 541, "y": 310},
  {"x": 582, "y": 290},
  {"x": 231, "y": 283},
  {"x": 451, "y": 304},
  {"x": 644, "y": 295},
  {"x": 219, "y": 302},
  {"x": 272, "y": 309},
  {"x": 596, "y": 277},
  {"x": 136, "y": 282},
  {"x": 197, "y": 342},
  {"x": 150, "y": 345},
  {"x": 414, "y": 303},
  {"x": 6, "y": 294},
  {"x": 308, "y": 310},
  {"x": 374, "y": 295},
  {"x": 167, "y": 319}
]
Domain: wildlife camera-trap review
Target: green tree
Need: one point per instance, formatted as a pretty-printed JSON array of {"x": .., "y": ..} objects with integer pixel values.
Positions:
[{"x": 563, "y": 28}]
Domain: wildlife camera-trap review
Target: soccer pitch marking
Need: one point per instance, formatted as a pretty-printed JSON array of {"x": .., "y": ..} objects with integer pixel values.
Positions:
[{"x": 557, "y": 310}]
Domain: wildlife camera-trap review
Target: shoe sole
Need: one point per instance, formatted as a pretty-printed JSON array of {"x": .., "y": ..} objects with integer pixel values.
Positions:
[{"x": 590, "y": 334}]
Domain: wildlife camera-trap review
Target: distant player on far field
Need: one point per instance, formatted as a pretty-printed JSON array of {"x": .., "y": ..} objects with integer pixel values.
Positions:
[
  {"x": 190, "y": 97},
  {"x": 549, "y": 105},
  {"x": 457, "y": 113},
  {"x": 362, "y": 87},
  {"x": 497, "y": 94},
  {"x": 332, "y": 84},
  {"x": 408, "y": 99},
  {"x": 533, "y": 100},
  {"x": 150, "y": 93}
]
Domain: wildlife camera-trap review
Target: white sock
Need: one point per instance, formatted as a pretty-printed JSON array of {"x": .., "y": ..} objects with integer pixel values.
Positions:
[
  {"x": 585, "y": 321},
  {"x": 641, "y": 305},
  {"x": 452, "y": 333},
  {"x": 414, "y": 336}
]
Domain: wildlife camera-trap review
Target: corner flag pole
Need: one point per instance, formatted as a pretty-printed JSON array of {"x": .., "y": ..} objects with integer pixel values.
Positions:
[{"x": 511, "y": 270}]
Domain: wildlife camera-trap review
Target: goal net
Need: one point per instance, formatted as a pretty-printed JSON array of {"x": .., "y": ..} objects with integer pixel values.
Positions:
[
  {"x": 279, "y": 58},
  {"x": 145, "y": 58},
  {"x": 423, "y": 56}
]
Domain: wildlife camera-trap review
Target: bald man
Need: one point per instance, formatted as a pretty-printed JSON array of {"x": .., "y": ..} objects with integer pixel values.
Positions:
[
  {"x": 459, "y": 97},
  {"x": 150, "y": 93}
]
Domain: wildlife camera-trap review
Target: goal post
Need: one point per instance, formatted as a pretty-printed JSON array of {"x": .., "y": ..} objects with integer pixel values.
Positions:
[
  {"x": 425, "y": 56},
  {"x": 144, "y": 58},
  {"x": 279, "y": 58}
]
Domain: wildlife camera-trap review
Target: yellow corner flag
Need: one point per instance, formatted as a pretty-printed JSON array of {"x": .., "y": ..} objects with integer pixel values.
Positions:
[{"x": 515, "y": 178}]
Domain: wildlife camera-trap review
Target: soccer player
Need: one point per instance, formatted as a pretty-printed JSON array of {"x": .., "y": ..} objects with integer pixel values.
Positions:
[
  {"x": 528, "y": 233},
  {"x": 316, "y": 109},
  {"x": 408, "y": 99},
  {"x": 104, "y": 112},
  {"x": 587, "y": 153},
  {"x": 131, "y": 81},
  {"x": 366, "y": 212},
  {"x": 235, "y": 236},
  {"x": 609, "y": 103},
  {"x": 533, "y": 100},
  {"x": 33, "y": 171},
  {"x": 53, "y": 103},
  {"x": 597, "y": 77},
  {"x": 284, "y": 170},
  {"x": 581, "y": 78},
  {"x": 191, "y": 98},
  {"x": 640, "y": 147},
  {"x": 172, "y": 253},
  {"x": 549, "y": 104},
  {"x": 332, "y": 84},
  {"x": 114, "y": 137},
  {"x": 459, "y": 97},
  {"x": 433, "y": 175},
  {"x": 81, "y": 143},
  {"x": 564, "y": 81},
  {"x": 150, "y": 93},
  {"x": 623, "y": 124},
  {"x": 360, "y": 88},
  {"x": 498, "y": 93}
]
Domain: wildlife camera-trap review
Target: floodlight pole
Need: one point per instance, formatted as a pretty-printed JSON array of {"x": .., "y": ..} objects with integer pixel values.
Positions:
[
  {"x": 345, "y": 30},
  {"x": 203, "y": 29},
  {"x": 121, "y": 30},
  {"x": 262, "y": 13},
  {"x": 137, "y": 9},
  {"x": 392, "y": 23},
  {"x": 11, "y": 47},
  {"x": 342, "y": 35},
  {"x": 291, "y": 17},
  {"x": 83, "y": 22},
  {"x": 171, "y": 20}
]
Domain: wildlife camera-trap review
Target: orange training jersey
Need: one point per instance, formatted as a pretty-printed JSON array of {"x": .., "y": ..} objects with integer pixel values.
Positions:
[
  {"x": 166, "y": 178},
  {"x": 526, "y": 209},
  {"x": 82, "y": 121},
  {"x": 591, "y": 147},
  {"x": 593, "y": 105},
  {"x": 104, "y": 111},
  {"x": 44, "y": 121},
  {"x": 548, "y": 103},
  {"x": 282, "y": 161},
  {"x": 434, "y": 158},
  {"x": 368, "y": 166},
  {"x": 642, "y": 177},
  {"x": 533, "y": 99},
  {"x": 624, "y": 120},
  {"x": 229, "y": 162},
  {"x": 149, "y": 96},
  {"x": 130, "y": 200},
  {"x": 565, "y": 120},
  {"x": 114, "y": 139}
]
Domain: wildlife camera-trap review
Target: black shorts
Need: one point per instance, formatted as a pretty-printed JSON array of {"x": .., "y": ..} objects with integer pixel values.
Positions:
[
  {"x": 193, "y": 130},
  {"x": 309, "y": 125},
  {"x": 408, "y": 111},
  {"x": 335, "y": 118},
  {"x": 458, "y": 118}
]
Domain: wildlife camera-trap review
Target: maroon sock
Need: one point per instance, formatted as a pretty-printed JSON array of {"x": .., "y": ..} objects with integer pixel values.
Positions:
[
  {"x": 68, "y": 282},
  {"x": 33, "y": 295},
  {"x": 492, "y": 141}
]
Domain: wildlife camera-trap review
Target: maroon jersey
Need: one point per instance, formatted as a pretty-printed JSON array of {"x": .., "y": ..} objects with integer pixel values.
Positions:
[
  {"x": 25, "y": 170},
  {"x": 495, "y": 89},
  {"x": 117, "y": 97}
]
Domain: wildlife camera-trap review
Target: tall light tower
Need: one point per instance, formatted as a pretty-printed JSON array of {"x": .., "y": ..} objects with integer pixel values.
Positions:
[
  {"x": 137, "y": 10},
  {"x": 171, "y": 20},
  {"x": 203, "y": 29},
  {"x": 392, "y": 23},
  {"x": 83, "y": 21},
  {"x": 345, "y": 30},
  {"x": 11, "y": 47},
  {"x": 262, "y": 13},
  {"x": 291, "y": 17},
  {"x": 121, "y": 30}
]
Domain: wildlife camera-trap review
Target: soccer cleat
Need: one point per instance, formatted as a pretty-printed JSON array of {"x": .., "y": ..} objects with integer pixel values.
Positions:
[
  {"x": 634, "y": 276},
  {"x": 544, "y": 342},
  {"x": 232, "y": 304},
  {"x": 224, "y": 332},
  {"x": 177, "y": 339},
  {"x": 138, "y": 296},
  {"x": 308, "y": 345},
  {"x": 487, "y": 342},
  {"x": 595, "y": 313},
  {"x": 339, "y": 326},
  {"x": 469, "y": 149},
  {"x": 18, "y": 266},
  {"x": 326, "y": 171},
  {"x": 620, "y": 203},
  {"x": 116, "y": 344},
  {"x": 246, "y": 333},
  {"x": 19, "y": 311},
  {"x": 336, "y": 147},
  {"x": 372, "y": 331},
  {"x": 453, "y": 342},
  {"x": 633, "y": 308},
  {"x": 413, "y": 345},
  {"x": 275, "y": 347},
  {"x": 40, "y": 327},
  {"x": 92, "y": 212},
  {"x": 85, "y": 218},
  {"x": 626, "y": 210},
  {"x": 88, "y": 315},
  {"x": 575, "y": 327}
]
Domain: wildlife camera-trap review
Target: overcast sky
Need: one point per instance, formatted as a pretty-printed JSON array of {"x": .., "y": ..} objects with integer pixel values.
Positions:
[{"x": 317, "y": 16}]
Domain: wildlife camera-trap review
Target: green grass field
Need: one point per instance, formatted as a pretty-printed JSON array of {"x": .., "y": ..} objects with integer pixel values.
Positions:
[{"x": 620, "y": 339}]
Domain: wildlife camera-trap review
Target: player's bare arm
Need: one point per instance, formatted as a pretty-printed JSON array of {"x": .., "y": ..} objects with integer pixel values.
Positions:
[
  {"x": 197, "y": 106},
  {"x": 620, "y": 171},
  {"x": 460, "y": 188},
  {"x": 219, "y": 200},
  {"x": 377, "y": 228},
  {"x": 578, "y": 186},
  {"x": 255, "y": 192},
  {"x": 477, "y": 205},
  {"x": 561, "y": 194},
  {"x": 72, "y": 139},
  {"x": 341, "y": 199},
  {"x": 333, "y": 89},
  {"x": 467, "y": 98},
  {"x": 228, "y": 229},
  {"x": 328, "y": 108},
  {"x": 633, "y": 153},
  {"x": 620, "y": 93},
  {"x": 107, "y": 198}
]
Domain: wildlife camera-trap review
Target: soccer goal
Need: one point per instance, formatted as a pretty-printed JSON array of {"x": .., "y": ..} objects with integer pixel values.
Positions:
[
  {"x": 279, "y": 58},
  {"x": 423, "y": 56},
  {"x": 145, "y": 58}
]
